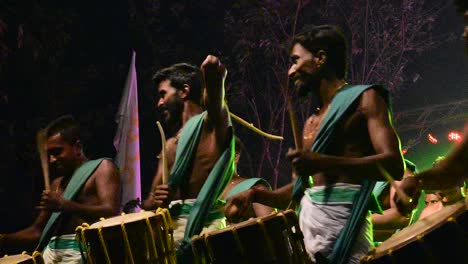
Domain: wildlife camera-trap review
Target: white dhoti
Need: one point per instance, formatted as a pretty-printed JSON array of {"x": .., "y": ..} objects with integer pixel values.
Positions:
[
  {"x": 62, "y": 249},
  {"x": 324, "y": 213},
  {"x": 214, "y": 221}
]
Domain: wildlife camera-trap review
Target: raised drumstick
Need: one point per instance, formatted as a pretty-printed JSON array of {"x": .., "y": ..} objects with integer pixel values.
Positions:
[
  {"x": 294, "y": 126},
  {"x": 163, "y": 153},
  {"x": 253, "y": 128},
  {"x": 297, "y": 139},
  {"x": 407, "y": 200},
  {"x": 41, "y": 147}
]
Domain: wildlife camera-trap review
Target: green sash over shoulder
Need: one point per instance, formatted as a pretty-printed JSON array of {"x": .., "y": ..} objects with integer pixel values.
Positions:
[
  {"x": 214, "y": 185},
  {"x": 78, "y": 179},
  {"x": 247, "y": 184},
  {"x": 340, "y": 104}
]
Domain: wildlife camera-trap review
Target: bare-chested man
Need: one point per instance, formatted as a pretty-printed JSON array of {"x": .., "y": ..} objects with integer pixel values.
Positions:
[
  {"x": 205, "y": 163},
  {"x": 179, "y": 89},
  {"x": 344, "y": 143},
  {"x": 97, "y": 194}
]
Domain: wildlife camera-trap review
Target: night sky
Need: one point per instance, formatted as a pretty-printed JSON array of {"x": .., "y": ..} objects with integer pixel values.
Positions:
[
  {"x": 443, "y": 70},
  {"x": 443, "y": 79},
  {"x": 73, "y": 56}
]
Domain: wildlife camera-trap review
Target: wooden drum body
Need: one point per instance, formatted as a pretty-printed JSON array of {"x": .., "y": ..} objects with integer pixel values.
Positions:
[
  {"x": 144, "y": 237},
  {"x": 24, "y": 258},
  {"x": 271, "y": 239},
  {"x": 441, "y": 237}
]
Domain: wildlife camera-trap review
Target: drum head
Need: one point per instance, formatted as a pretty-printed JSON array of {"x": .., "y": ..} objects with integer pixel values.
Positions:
[
  {"x": 21, "y": 258},
  {"x": 126, "y": 218},
  {"x": 420, "y": 228}
]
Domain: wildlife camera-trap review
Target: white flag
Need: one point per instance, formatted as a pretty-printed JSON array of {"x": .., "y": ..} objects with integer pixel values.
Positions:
[{"x": 127, "y": 139}]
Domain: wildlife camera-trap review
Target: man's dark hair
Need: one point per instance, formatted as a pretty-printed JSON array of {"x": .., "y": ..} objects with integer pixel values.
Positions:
[
  {"x": 67, "y": 127},
  {"x": 330, "y": 39},
  {"x": 180, "y": 74},
  {"x": 411, "y": 166}
]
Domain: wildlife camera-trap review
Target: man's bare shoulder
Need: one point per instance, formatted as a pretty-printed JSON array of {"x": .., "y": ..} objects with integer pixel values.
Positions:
[
  {"x": 171, "y": 142},
  {"x": 371, "y": 100},
  {"x": 106, "y": 168}
]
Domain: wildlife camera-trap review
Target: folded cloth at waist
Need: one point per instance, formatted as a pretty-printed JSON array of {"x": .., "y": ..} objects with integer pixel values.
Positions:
[
  {"x": 338, "y": 193},
  {"x": 62, "y": 249},
  {"x": 324, "y": 213},
  {"x": 180, "y": 210}
]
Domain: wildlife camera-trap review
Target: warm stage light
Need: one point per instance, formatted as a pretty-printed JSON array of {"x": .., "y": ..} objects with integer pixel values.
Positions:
[
  {"x": 432, "y": 139},
  {"x": 454, "y": 136}
]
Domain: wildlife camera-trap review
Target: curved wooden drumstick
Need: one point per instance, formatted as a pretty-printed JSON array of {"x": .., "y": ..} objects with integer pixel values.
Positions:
[
  {"x": 163, "y": 153},
  {"x": 294, "y": 126},
  {"x": 253, "y": 128},
  {"x": 41, "y": 147},
  {"x": 406, "y": 200},
  {"x": 297, "y": 140}
]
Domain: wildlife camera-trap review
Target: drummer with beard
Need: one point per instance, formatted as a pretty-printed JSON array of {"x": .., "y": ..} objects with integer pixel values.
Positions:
[
  {"x": 201, "y": 156},
  {"x": 179, "y": 88},
  {"x": 83, "y": 191},
  {"x": 345, "y": 141}
]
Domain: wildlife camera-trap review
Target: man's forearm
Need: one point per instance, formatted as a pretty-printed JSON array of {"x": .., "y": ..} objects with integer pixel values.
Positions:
[
  {"x": 25, "y": 239},
  {"x": 278, "y": 198},
  {"x": 390, "y": 219}
]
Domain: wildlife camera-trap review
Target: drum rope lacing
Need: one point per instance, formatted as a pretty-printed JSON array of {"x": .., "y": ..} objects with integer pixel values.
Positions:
[
  {"x": 267, "y": 238},
  {"x": 82, "y": 239},
  {"x": 169, "y": 229},
  {"x": 104, "y": 245},
  {"x": 127, "y": 242},
  {"x": 37, "y": 258},
  {"x": 151, "y": 238}
]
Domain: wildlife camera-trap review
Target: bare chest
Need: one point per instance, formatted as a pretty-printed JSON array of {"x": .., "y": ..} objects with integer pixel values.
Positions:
[
  {"x": 205, "y": 157},
  {"x": 171, "y": 147},
  {"x": 311, "y": 128},
  {"x": 350, "y": 133}
]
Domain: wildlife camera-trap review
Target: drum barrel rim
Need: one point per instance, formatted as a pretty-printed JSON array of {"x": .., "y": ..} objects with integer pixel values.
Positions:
[
  {"x": 461, "y": 206},
  {"x": 146, "y": 214}
]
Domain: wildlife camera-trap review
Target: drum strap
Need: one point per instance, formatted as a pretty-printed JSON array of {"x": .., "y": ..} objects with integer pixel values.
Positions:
[{"x": 78, "y": 179}]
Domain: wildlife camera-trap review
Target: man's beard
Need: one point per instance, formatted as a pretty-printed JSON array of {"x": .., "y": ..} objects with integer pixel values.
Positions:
[
  {"x": 309, "y": 83},
  {"x": 172, "y": 114},
  {"x": 61, "y": 170}
]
